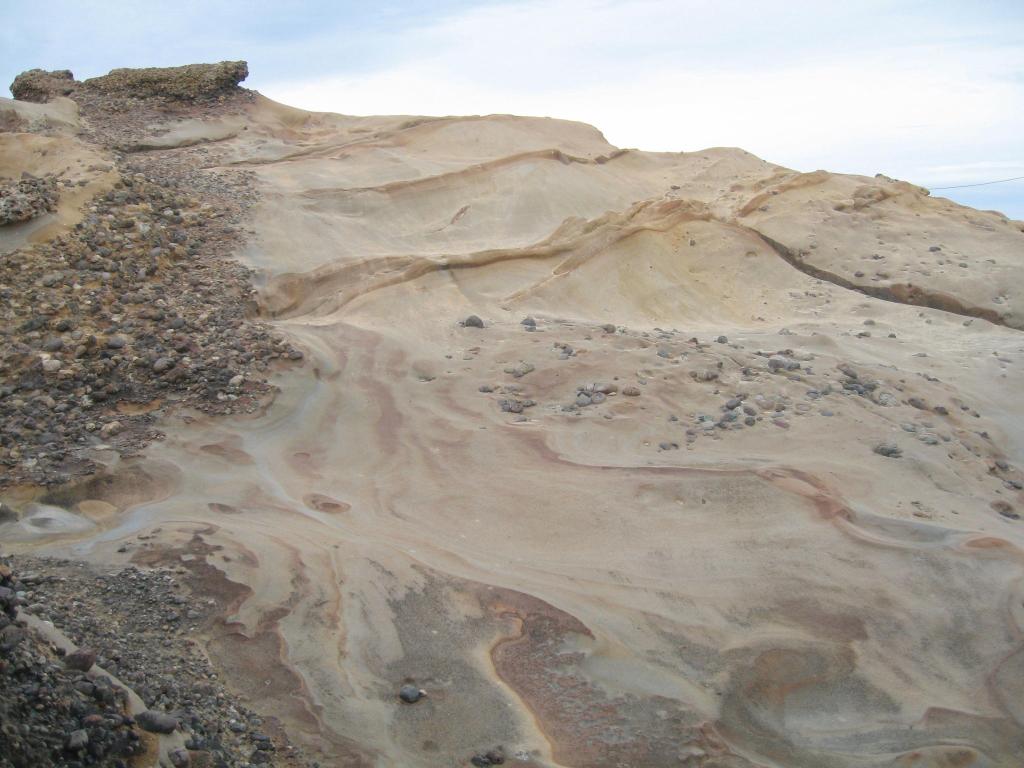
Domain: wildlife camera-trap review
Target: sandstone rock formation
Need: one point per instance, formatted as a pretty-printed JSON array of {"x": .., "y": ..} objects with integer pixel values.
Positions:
[{"x": 619, "y": 457}]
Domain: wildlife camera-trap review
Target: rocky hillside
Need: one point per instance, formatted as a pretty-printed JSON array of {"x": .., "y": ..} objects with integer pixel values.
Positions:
[
  {"x": 130, "y": 304},
  {"x": 446, "y": 441}
]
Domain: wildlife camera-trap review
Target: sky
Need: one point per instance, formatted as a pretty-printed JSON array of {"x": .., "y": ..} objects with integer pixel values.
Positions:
[{"x": 924, "y": 90}]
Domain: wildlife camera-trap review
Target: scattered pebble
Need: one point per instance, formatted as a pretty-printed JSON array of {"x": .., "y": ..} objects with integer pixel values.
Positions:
[{"x": 410, "y": 694}]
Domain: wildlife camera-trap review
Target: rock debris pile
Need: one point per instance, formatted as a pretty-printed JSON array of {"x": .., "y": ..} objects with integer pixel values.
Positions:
[
  {"x": 137, "y": 625},
  {"x": 139, "y": 306}
]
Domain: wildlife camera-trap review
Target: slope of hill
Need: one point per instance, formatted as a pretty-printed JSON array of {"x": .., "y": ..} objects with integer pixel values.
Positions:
[{"x": 624, "y": 458}]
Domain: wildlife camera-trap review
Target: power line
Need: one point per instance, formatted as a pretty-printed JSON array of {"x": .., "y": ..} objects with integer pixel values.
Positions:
[{"x": 982, "y": 184}]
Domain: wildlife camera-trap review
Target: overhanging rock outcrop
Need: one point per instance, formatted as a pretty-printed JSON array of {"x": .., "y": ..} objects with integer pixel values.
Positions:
[{"x": 190, "y": 82}]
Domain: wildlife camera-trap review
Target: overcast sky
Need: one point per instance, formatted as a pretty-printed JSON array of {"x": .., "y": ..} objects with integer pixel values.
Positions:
[{"x": 924, "y": 90}]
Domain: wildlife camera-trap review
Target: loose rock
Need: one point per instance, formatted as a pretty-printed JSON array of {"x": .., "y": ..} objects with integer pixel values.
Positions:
[{"x": 410, "y": 694}]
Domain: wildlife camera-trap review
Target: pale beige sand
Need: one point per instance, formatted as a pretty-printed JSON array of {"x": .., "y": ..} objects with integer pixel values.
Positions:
[
  {"x": 774, "y": 596},
  {"x": 83, "y": 170}
]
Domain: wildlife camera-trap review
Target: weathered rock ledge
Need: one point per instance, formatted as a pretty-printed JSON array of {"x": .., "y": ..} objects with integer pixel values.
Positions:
[{"x": 192, "y": 82}]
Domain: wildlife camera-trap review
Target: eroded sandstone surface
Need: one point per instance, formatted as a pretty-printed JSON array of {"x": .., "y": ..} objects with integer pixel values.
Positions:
[{"x": 555, "y": 454}]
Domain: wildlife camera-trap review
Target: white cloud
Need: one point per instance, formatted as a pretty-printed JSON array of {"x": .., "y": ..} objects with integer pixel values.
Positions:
[
  {"x": 799, "y": 86},
  {"x": 969, "y": 173}
]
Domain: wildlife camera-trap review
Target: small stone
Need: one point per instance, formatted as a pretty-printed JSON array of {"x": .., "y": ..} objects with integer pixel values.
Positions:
[
  {"x": 631, "y": 391},
  {"x": 81, "y": 660},
  {"x": 77, "y": 740},
  {"x": 110, "y": 429},
  {"x": 705, "y": 374},
  {"x": 520, "y": 370},
  {"x": 782, "y": 363},
  {"x": 722, "y": 339},
  {"x": 889, "y": 450},
  {"x": 473, "y": 322},
  {"x": 608, "y": 328},
  {"x": 156, "y": 722},
  {"x": 116, "y": 342},
  {"x": 491, "y": 757},
  {"x": 180, "y": 758},
  {"x": 1005, "y": 509},
  {"x": 410, "y": 694},
  {"x": 529, "y": 322},
  {"x": 162, "y": 364}
]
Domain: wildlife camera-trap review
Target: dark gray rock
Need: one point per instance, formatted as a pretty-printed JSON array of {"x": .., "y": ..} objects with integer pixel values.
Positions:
[
  {"x": 889, "y": 450},
  {"x": 156, "y": 722},
  {"x": 410, "y": 694},
  {"x": 76, "y": 740}
]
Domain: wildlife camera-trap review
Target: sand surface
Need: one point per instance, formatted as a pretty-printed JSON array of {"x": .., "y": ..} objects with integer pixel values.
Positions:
[
  {"x": 83, "y": 171},
  {"x": 622, "y": 583}
]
